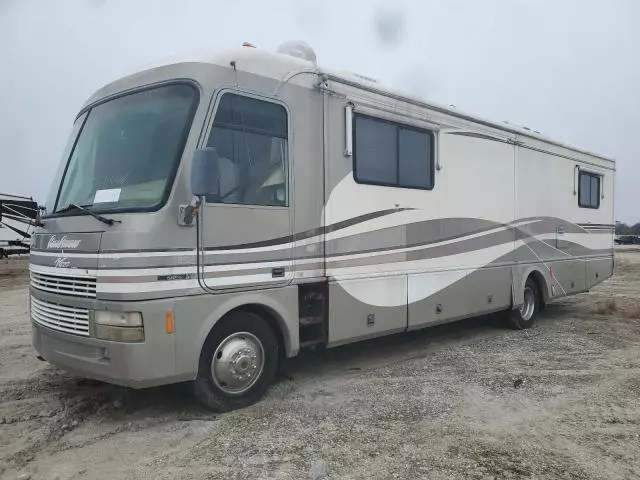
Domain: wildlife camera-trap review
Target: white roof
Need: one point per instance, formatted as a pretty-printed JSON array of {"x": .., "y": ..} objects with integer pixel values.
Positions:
[{"x": 282, "y": 67}]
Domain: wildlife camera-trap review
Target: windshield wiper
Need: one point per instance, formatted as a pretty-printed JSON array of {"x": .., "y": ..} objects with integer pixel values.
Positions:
[{"x": 82, "y": 208}]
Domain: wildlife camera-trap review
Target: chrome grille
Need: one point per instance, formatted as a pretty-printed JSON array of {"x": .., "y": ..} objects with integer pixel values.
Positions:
[
  {"x": 64, "y": 285},
  {"x": 60, "y": 317}
]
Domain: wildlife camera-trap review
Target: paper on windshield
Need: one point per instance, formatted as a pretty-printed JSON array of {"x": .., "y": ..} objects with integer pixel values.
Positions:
[{"x": 107, "y": 196}]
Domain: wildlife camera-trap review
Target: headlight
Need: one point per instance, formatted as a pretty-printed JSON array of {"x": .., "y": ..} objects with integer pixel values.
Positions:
[
  {"x": 118, "y": 326},
  {"x": 118, "y": 319}
]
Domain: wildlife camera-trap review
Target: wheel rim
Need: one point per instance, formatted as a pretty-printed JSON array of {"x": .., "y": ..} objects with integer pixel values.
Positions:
[
  {"x": 237, "y": 363},
  {"x": 528, "y": 307}
]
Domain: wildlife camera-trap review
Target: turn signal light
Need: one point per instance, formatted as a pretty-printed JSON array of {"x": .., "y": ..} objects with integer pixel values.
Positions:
[{"x": 168, "y": 322}]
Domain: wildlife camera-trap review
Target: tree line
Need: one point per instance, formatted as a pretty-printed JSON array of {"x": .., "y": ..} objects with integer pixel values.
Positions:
[{"x": 624, "y": 229}]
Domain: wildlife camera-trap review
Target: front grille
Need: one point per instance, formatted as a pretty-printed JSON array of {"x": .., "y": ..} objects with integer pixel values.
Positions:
[
  {"x": 60, "y": 317},
  {"x": 64, "y": 285}
]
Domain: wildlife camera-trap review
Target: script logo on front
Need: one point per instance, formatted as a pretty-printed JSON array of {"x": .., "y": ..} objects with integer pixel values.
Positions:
[
  {"x": 62, "y": 243},
  {"x": 62, "y": 262}
]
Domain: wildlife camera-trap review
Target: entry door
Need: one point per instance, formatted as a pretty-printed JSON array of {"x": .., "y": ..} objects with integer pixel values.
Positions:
[{"x": 247, "y": 228}]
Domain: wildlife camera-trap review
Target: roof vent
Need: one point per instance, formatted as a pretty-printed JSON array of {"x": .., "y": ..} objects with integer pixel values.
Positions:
[{"x": 298, "y": 49}]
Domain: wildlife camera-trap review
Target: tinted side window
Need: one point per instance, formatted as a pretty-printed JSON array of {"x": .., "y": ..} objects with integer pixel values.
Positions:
[
  {"x": 415, "y": 159},
  {"x": 589, "y": 190},
  {"x": 377, "y": 149},
  {"x": 251, "y": 139},
  {"x": 390, "y": 154},
  {"x": 584, "y": 190},
  {"x": 595, "y": 192}
]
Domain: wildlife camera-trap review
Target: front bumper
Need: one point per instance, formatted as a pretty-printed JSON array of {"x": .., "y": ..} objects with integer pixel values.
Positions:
[{"x": 137, "y": 365}]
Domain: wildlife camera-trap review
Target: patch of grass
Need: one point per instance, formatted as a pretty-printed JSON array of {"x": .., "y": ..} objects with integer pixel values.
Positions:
[{"x": 607, "y": 307}]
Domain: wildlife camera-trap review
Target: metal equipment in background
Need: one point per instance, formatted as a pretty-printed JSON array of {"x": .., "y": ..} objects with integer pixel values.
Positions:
[{"x": 17, "y": 215}]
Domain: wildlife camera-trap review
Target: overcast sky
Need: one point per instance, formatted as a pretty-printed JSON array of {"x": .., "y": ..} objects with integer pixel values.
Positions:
[{"x": 569, "y": 68}]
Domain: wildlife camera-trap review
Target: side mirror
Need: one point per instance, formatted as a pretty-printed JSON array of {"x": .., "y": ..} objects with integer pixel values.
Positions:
[{"x": 205, "y": 174}]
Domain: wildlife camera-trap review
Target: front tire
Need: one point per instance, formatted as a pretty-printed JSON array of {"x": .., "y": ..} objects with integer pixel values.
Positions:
[
  {"x": 525, "y": 316},
  {"x": 238, "y": 363}
]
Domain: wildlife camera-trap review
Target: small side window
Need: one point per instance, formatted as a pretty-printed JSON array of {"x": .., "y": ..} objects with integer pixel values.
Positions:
[{"x": 589, "y": 190}]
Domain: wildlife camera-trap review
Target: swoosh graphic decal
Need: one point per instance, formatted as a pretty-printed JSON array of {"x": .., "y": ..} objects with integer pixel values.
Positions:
[{"x": 313, "y": 232}]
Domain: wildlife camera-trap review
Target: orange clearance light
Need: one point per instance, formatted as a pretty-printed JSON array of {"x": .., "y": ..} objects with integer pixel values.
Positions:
[
  {"x": 247, "y": 44},
  {"x": 168, "y": 321}
]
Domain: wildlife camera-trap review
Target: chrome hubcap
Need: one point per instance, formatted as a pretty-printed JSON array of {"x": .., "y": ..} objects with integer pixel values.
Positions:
[
  {"x": 237, "y": 363},
  {"x": 528, "y": 307}
]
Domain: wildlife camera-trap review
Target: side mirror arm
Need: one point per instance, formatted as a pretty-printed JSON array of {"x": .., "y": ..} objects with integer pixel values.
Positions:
[{"x": 189, "y": 212}]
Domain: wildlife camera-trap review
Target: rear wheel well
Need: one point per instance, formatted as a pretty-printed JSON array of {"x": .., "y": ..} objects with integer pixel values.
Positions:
[{"x": 541, "y": 283}]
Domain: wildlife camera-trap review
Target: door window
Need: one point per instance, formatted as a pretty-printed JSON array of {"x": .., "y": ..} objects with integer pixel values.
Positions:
[{"x": 250, "y": 137}]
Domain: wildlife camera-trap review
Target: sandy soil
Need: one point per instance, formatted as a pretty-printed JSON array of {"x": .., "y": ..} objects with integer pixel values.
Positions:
[{"x": 468, "y": 400}]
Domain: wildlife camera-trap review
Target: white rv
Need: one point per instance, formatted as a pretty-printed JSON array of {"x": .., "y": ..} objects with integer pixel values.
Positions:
[{"x": 211, "y": 217}]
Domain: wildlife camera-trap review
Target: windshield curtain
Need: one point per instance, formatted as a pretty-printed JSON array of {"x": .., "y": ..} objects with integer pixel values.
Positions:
[{"x": 128, "y": 150}]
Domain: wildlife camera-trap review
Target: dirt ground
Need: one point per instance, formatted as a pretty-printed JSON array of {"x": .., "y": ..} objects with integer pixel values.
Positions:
[{"x": 468, "y": 400}]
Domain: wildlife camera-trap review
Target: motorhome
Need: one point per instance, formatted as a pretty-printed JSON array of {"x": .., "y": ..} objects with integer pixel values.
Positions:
[{"x": 213, "y": 216}]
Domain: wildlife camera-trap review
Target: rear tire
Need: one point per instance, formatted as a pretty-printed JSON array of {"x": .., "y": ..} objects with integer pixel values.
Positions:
[
  {"x": 525, "y": 316},
  {"x": 238, "y": 363}
]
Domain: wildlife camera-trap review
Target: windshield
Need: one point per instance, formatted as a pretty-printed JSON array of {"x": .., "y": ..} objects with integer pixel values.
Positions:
[{"x": 128, "y": 150}]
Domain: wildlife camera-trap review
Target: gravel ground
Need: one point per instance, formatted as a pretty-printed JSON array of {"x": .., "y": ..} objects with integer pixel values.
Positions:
[{"x": 468, "y": 400}]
